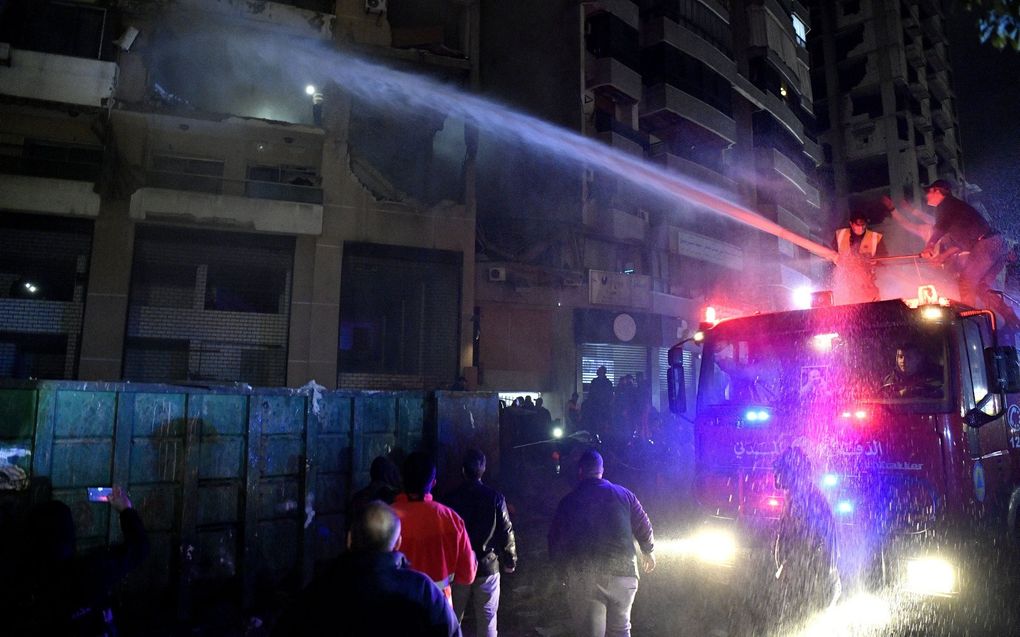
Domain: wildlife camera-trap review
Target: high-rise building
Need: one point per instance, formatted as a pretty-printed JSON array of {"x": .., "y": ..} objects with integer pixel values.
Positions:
[
  {"x": 188, "y": 194},
  {"x": 581, "y": 267},
  {"x": 885, "y": 105}
]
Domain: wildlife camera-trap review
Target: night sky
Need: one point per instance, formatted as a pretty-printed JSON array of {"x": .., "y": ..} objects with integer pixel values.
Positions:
[{"x": 987, "y": 85}]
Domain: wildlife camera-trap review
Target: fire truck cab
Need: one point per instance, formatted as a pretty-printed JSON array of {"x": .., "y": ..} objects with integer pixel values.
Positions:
[{"x": 908, "y": 410}]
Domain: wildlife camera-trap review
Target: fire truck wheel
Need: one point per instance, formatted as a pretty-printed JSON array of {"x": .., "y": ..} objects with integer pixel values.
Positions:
[{"x": 1013, "y": 518}]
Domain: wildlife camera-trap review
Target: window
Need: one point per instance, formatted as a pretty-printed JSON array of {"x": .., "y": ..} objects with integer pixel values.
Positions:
[
  {"x": 975, "y": 374},
  {"x": 284, "y": 183},
  {"x": 800, "y": 30}
]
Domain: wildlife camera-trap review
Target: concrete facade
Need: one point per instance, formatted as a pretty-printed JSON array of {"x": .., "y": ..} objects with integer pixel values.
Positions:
[{"x": 194, "y": 128}]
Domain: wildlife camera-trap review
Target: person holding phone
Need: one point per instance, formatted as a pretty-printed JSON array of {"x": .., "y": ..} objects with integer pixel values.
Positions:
[{"x": 62, "y": 593}]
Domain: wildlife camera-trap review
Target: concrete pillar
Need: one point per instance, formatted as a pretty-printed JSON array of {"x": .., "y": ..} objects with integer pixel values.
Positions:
[{"x": 102, "y": 346}]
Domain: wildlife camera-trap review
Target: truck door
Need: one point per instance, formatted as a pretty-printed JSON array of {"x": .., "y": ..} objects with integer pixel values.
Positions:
[{"x": 988, "y": 446}]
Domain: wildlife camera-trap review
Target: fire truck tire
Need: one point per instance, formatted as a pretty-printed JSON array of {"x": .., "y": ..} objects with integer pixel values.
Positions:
[{"x": 1013, "y": 518}]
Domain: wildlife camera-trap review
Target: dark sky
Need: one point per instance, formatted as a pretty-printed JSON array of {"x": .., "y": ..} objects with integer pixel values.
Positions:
[{"x": 987, "y": 85}]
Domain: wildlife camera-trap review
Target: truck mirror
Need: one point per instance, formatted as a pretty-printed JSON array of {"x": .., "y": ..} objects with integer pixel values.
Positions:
[
  {"x": 677, "y": 391},
  {"x": 1003, "y": 369}
]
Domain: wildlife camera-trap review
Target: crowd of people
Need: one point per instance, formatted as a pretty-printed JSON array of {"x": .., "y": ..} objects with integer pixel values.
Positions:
[{"x": 415, "y": 565}]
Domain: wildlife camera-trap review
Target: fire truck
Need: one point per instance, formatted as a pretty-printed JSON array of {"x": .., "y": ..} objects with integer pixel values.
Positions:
[{"x": 908, "y": 410}]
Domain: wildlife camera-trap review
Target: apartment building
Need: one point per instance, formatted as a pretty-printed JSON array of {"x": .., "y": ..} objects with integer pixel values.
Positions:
[
  {"x": 189, "y": 195},
  {"x": 885, "y": 104},
  {"x": 581, "y": 267}
]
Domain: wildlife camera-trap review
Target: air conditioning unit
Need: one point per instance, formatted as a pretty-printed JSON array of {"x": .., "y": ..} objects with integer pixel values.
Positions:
[
  {"x": 375, "y": 6},
  {"x": 497, "y": 274}
]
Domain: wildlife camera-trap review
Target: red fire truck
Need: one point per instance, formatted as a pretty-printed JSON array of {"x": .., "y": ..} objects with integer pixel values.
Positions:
[{"x": 908, "y": 410}]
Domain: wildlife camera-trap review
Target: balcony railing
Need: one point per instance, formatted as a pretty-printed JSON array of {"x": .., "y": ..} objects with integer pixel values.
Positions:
[{"x": 192, "y": 182}]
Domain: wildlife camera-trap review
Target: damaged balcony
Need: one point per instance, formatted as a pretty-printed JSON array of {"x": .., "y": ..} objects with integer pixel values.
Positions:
[
  {"x": 50, "y": 177},
  {"x": 49, "y": 77}
]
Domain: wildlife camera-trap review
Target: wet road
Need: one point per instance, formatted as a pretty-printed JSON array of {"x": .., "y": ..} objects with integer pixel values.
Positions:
[{"x": 683, "y": 598}]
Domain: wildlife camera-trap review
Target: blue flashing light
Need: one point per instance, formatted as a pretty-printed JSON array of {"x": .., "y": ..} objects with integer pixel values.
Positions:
[
  {"x": 756, "y": 415},
  {"x": 830, "y": 480},
  {"x": 844, "y": 507}
]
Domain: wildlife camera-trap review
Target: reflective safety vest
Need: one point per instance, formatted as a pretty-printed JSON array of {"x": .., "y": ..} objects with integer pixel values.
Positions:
[{"x": 869, "y": 242}]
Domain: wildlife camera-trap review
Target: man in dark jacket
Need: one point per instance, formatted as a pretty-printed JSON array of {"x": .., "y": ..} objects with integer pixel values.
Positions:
[
  {"x": 963, "y": 228},
  {"x": 591, "y": 541},
  {"x": 370, "y": 590},
  {"x": 492, "y": 538}
]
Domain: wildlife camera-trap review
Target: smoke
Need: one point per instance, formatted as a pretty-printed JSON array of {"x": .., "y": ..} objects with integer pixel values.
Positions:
[{"x": 250, "y": 68}]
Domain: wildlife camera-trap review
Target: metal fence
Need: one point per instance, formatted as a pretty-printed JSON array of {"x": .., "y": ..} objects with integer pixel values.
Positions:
[{"x": 240, "y": 489}]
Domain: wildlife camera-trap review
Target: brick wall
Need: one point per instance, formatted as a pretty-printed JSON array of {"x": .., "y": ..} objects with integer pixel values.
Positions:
[
  {"x": 40, "y": 332},
  {"x": 181, "y": 329}
]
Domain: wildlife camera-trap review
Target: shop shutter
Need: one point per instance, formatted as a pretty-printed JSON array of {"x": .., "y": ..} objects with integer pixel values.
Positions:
[{"x": 619, "y": 360}]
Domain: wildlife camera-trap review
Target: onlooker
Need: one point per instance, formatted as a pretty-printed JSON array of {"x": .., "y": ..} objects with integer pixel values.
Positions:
[
  {"x": 597, "y": 411},
  {"x": 574, "y": 412},
  {"x": 543, "y": 417},
  {"x": 807, "y": 579},
  {"x": 370, "y": 590},
  {"x": 591, "y": 542},
  {"x": 965, "y": 230},
  {"x": 385, "y": 484},
  {"x": 854, "y": 275},
  {"x": 492, "y": 538},
  {"x": 67, "y": 594},
  {"x": 434, "y": 538}
]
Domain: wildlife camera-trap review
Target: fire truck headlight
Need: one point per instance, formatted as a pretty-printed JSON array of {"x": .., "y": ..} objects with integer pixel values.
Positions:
[
  {"x": 930, "y": 576},
  {"x": 714, "y": 546}
]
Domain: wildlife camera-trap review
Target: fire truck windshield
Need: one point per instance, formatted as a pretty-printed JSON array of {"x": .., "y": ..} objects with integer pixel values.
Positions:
[{"x": 896, "y": 364}]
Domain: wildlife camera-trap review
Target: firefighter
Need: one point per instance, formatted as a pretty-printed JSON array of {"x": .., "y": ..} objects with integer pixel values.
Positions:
[{"x": 854, "y": 274}]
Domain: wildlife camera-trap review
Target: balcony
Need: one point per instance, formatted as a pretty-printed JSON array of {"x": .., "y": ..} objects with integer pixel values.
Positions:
[
  {"x": 616, "y": 224},
  {"x": 610, "y": 75},
  {"x": 911, "y": 26},
  {"x": 945, "y": 145},
  {"x": 938, "y": 86},
  {"x": 696, "y": 171},
  {"x": 919, "y": 90},
  {"x": 914, "y": 54},
  {"x": 942, "y": 119},
  {"x": 58, "y": 78},
  {"x": 203, "y": 202},
  {"x": 49, "y": 196},
  {"x": 922, "y": 123},
  {"x": 665, "y": 105},
  {"x": 789, "y": 170},
  {"x": 926, "y": 156}
]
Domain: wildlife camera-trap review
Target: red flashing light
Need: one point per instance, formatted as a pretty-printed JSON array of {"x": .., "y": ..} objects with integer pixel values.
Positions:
[
  {"x": 773, "y": 502},
  {"x": 710, "y": 315}
]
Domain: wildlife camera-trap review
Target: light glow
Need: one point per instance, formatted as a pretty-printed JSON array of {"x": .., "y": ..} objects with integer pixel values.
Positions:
[
  {"x": 310, "y": 89},
  {"x": 930, "y": 576},
  {"x": 844, "y": 507},
  {"x": 557, "y": 432},
  {"x": 699, "y": 336},
  {"x": 830, "y": 480},
  {"x": 714, "y": 546},
  {"x": 756, "y": 415},
  {"x": 931, "y": 313},
  {"x": 802, "y": 298},
  {"x": 710, "y": 316},
  {"x": 823, "y": 342}
]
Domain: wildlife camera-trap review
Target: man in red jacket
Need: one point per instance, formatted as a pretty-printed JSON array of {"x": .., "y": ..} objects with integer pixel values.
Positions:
[{"x": 435, "y": 540}]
